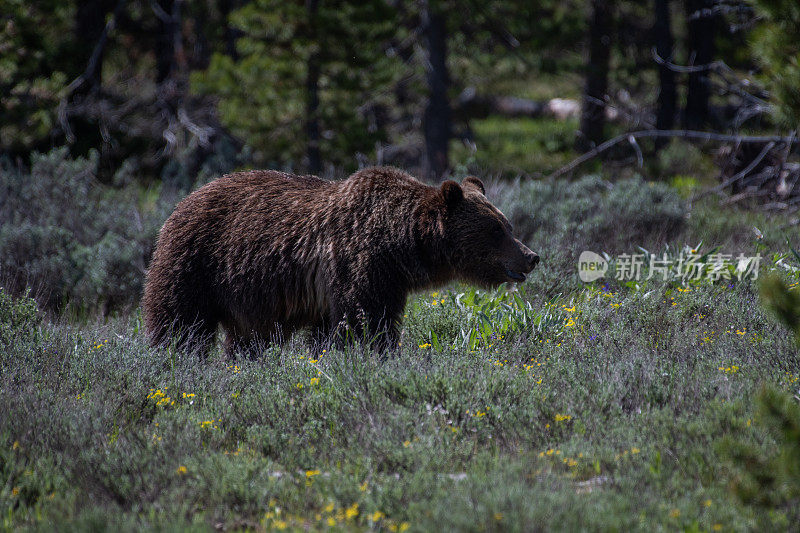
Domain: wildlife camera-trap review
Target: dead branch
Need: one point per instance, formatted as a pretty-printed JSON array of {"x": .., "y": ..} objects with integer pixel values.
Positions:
[
  {"x": 681, "y": 134},
  {"x": 739, "y": 175},
  {"x": 81, "y": 81},
  {"x": 753, "y": 96},
  {"x": 758, "y": 193}
]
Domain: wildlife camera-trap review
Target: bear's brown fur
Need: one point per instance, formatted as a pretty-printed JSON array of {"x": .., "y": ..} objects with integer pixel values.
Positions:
[{"x": 265, "y": 253}]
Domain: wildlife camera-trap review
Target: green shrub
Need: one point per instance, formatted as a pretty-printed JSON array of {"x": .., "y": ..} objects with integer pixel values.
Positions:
[
  {"x": 19, "y": 318},
  {"x": 770, "y": 481},
  {"x": 71, "y": 240},
  {"x": 783, "y": 302}
]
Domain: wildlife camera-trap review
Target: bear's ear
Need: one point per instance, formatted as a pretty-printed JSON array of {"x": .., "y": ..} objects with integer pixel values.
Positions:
[
  {"x": 472, "y": 181},
  {"x": 452, "y": 193}
]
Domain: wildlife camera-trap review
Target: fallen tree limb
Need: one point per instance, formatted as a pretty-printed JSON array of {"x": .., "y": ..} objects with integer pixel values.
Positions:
[
  {"x": 739, "y": 175},
  {"x": 471, "y": 105},
  {"x": 682, "y": 134}
]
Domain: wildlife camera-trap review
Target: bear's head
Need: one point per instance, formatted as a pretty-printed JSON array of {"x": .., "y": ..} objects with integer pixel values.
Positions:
[{"x": 479, "y": 240}]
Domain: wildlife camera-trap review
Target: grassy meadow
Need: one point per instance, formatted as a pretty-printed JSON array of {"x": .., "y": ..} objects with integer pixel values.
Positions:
[{"x": 554, "y": 405}]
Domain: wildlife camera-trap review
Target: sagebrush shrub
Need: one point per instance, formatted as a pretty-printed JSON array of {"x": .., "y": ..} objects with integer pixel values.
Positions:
[
  {"x": 593, "y": 212},
  {"x": 19, "y": 318},
  {"x": 70, "y": 239}
]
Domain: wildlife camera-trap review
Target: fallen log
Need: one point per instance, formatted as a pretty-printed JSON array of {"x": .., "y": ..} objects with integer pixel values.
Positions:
[
  {"x": 683, "y": 134},
  {"x": 470, "y": 105}
]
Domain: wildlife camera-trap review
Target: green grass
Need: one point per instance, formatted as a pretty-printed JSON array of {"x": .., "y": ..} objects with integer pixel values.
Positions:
[
  {"x": 538, "y": 85},
  {"x": 608, "y": 420},
  {"x": 520, "y": 146},
  {"x": 607, "y": 406}
]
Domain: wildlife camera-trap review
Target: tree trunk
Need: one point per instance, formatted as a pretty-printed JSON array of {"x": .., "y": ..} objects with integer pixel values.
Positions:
[
  {"x": 200, "y": 55},
  {"x": 701, "y": 24},
  {"x": 169, "y": 49},
  {"x": 593, "y": 117},
  {"x": 90, "y": 25},
  {"x": 312, "y": 93},
  {"x": 437, "y": 112},
  {"x": 230, "y": 34},
  {"x": 667, "y": 96}
]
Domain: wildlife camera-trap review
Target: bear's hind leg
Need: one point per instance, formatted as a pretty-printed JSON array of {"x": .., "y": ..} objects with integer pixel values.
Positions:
[
  {"x": 194, "y": 336},
  {"x": 322, "y": 334},
  {"x": 199, "y": 338},
  {"x": 248, "y": 342}
]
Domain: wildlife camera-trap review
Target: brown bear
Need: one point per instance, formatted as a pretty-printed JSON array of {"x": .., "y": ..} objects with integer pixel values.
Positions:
[{"x": 265, "y": 253}]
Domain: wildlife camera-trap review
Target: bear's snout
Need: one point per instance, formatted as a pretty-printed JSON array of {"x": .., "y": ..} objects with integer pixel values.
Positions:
[
  {"x": 533, "y": 259},
  {"x": 523, "y": 262},
  {"x": 530, "y": 258}
]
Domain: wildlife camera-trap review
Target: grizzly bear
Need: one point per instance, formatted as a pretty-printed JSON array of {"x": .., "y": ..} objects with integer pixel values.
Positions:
[{"x": 265, "y": 253}]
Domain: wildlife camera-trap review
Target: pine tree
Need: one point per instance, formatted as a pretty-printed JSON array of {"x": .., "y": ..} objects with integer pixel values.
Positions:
[
  {"x": 776, "y": 43},
  {"x": 309, "y": 81}
]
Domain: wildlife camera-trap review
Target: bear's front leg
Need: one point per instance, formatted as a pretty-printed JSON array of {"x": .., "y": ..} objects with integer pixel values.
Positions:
[
  {"x": 382, "y": 320},
  {"x": 367, "y": 321}
]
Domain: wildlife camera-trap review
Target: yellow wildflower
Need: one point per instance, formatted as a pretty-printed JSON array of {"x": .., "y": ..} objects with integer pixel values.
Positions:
[{"x": 351, "y": 512}]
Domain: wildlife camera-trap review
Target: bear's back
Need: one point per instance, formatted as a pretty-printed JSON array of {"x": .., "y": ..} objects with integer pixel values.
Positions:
[{"x": 258, "y": 179}]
